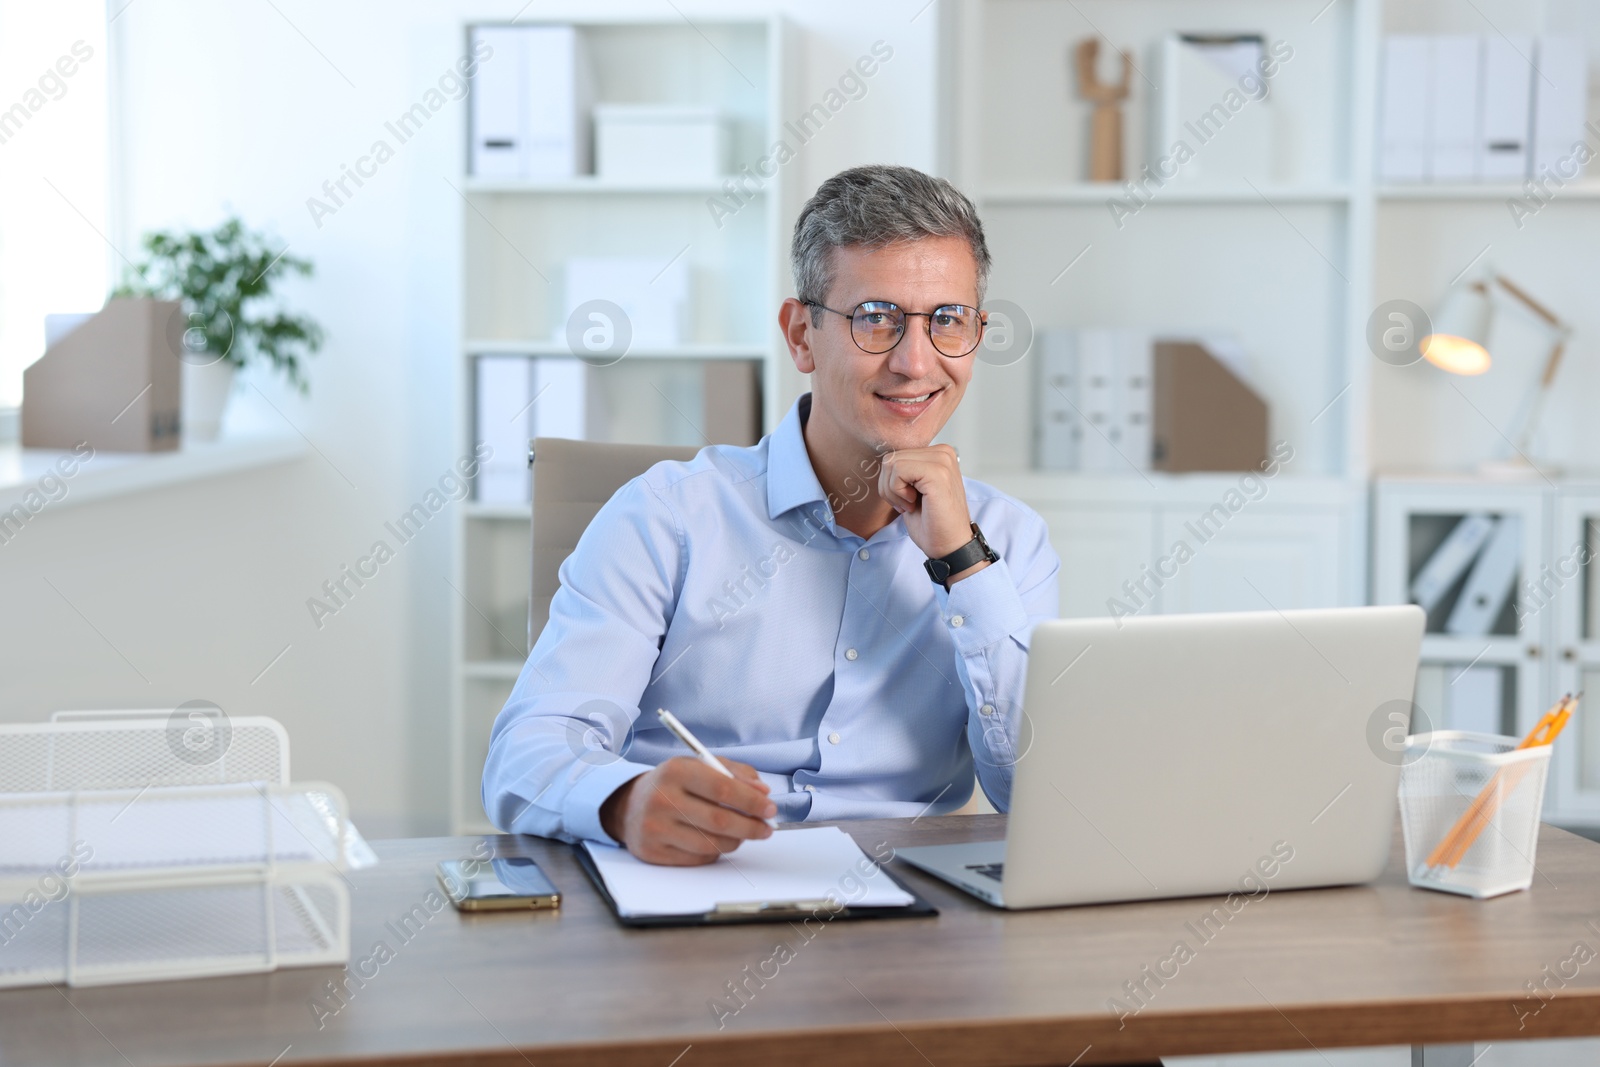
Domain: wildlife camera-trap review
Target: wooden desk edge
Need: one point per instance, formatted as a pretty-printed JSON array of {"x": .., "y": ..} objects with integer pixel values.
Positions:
[
  {"x": 1099, "y": 1040},
  {"x": 1054, "y": 1042}
]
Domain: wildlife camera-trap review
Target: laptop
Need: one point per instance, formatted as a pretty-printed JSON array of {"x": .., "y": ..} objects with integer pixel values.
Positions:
[{"x": 1188, "y": 755}]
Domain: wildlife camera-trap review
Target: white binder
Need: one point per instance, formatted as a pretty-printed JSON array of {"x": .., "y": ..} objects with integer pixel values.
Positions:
[
  {"x": 1484, "y": 595},
  {"x": 1453, "y": 108},
  {"x": 1560, "y": 100},
  {"x": 1452, "y": 557},
  {"x": 1059, "y": 430},
  {"x": 556, "y": 103},
  {"x": 1403, "y": 126},
  {"x": 1100, "y": 448},
  {"x": 1133, "y": 404},
  {"x": 530, "y": 103},
  {"x": 503, "y": 423},
  {"x": 1507, "y": 108},
  {"x": 497, "y": 104}
]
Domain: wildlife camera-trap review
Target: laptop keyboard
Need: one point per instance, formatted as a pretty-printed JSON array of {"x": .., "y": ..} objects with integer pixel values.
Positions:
[{"x": 989, "y": 870}]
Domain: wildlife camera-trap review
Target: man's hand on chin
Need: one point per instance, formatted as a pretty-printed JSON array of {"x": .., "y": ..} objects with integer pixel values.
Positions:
[
  {"x": 924, "y": 485},
  {"x": 684, "y": 814}
]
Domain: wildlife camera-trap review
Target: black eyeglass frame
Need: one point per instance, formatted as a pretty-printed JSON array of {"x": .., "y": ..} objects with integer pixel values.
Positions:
[{"x": 927, "y": 325}]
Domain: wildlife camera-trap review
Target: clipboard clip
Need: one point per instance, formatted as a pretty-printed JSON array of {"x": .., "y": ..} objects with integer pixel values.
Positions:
[{"x": 744, "y": 908}]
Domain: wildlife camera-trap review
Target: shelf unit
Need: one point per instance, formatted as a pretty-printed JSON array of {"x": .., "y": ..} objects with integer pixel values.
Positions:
[
  {"x": 1587, "y": 189},
  {"x": 515, "y": 236},
  {"x": 1292, "y": 261},
  {"x": 1282, "y": 260}
]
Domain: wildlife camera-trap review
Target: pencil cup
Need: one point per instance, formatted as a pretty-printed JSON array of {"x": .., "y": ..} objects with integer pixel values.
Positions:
[{"x": 1469, "y": 808}]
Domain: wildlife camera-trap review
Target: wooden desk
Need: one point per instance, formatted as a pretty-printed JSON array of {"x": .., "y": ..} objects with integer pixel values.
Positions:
[{"x": 1372, "y": 965}]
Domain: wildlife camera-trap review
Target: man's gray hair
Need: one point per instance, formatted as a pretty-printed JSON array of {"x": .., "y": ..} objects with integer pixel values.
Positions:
[{"x": 874, "y": 206}]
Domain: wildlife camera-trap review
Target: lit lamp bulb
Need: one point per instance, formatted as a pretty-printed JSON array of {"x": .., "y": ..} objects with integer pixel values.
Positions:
[
  {"x": 1458, "y": 355},
  {"x": 1457, "y": 343}
]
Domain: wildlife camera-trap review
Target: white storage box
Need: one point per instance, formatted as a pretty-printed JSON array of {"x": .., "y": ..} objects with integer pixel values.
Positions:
[
  {"x": 128, "y": 855},
  {"x": 658, "y": 143},
  {"x": 654, "y": 300}
]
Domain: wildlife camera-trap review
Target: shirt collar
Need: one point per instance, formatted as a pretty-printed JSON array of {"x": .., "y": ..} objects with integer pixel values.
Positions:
[{"x": 791, "y": 480}]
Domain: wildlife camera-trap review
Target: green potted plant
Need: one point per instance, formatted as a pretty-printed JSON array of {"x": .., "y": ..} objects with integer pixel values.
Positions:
[{"x": 224, "y": 279}]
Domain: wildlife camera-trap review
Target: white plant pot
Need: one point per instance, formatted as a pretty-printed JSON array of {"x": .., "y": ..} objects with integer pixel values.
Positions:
[{"x": 205, "y": 397}]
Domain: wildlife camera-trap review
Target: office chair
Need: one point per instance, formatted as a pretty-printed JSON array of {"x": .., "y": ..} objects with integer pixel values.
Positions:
[{"x": 571, "y": 481}]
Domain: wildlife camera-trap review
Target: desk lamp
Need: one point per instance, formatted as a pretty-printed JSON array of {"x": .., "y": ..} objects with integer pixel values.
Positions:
[{"x": 1459, "y": 345}]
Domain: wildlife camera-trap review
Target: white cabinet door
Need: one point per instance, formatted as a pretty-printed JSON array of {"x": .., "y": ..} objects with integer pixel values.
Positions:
[
  {"x": 1100, "y": 548},
  {"x": 1568, "y": 588},
  {"x": 1251, "y": 560}
]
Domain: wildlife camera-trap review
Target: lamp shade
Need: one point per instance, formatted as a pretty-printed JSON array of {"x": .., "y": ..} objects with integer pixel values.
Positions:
[{"x": 1459, "y": 341}]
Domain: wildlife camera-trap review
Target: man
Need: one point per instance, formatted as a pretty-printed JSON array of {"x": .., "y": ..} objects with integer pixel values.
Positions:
[{"x": 835, "y": 612}]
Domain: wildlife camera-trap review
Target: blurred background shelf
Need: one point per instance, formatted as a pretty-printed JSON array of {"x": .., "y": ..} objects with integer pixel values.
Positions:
[
  {"x": 590, "y": 185},
  {"x": 557, "y": 349},
  {"x": 518, "y": 239},
  {"x": 1099, "y": 193},
  {"x": 1586, "y": 189}
]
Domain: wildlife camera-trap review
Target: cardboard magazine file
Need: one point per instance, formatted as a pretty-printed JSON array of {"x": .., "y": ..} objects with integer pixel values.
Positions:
[
  {"x": 115, "y": 382},
  {"x": 1203, "y": 417}
]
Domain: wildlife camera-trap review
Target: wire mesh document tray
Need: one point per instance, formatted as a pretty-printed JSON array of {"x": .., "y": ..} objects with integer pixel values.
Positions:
[{"x": 132, "y": 849}]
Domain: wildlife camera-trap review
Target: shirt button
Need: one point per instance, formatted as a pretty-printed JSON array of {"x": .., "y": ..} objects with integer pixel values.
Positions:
[
  {"x": 863, "y": 554},
  {"x": 833, "y": 739},
  {"x": 957, "y": 620},
  {"x": 987, "y": 709},
  {"x": 809, "y": 788},
  {"x": 850, "y": 653}
]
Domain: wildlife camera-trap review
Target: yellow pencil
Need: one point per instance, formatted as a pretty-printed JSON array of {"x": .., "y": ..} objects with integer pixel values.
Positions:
[{"x": 1483, "y": 808}]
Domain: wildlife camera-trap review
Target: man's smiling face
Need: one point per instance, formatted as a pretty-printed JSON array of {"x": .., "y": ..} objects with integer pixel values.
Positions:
[{"x": 901, "y": 398}]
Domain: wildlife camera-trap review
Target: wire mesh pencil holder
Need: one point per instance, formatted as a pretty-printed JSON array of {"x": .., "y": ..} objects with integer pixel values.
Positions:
[
  {"x": 1469, "y": 810},
  {"x": 125, "y": 857}
]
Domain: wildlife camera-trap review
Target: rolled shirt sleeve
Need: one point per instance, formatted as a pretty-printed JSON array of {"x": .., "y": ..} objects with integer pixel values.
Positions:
[
  {"x": 558, "y": 747},
  {"x": 990, "y": 616}
]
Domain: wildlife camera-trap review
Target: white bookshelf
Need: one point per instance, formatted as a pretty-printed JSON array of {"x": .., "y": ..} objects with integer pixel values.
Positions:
[
  {"x": 558, "y": 350},
  {"x": 1586, "y": 189},
  {"x": 516, "y": 235},
  {"x": 592, "y": 185},
  {"x": 1283, "y": 261},
  {"x": 1292, "y": 262},
  {"x": 1098, "y": 193}
]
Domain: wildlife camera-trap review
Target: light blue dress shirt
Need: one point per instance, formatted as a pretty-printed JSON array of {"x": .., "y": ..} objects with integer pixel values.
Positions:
[{"x": 722, "y": 590}]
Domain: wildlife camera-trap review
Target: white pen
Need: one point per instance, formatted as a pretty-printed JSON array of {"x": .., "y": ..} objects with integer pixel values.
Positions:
[{"x": 670, "y": 721}]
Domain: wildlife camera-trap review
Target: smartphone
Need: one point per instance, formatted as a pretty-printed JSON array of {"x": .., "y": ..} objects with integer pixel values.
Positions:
[{"x": 497, "y": 885}]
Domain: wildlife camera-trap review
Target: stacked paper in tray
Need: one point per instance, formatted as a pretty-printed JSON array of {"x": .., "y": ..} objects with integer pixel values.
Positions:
[{"x": 135, "y": 848}]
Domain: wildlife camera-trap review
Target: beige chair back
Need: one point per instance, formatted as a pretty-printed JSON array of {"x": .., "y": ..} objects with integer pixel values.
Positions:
[{"x": 571, "y": 481}]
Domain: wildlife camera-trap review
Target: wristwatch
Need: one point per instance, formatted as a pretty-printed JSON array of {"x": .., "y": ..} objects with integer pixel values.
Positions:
[{"x": 970, "y": 554}]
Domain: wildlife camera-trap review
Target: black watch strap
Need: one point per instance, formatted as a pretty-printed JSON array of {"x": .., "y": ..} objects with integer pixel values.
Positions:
[{"x": 970, "y": 554}]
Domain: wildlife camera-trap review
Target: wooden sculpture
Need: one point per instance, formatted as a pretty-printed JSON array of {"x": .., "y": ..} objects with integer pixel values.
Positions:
[{"x": 1105, "y": 127}]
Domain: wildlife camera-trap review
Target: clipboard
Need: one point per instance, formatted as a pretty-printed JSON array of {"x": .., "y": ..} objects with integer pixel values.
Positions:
[{"x": 770, "y": 911}]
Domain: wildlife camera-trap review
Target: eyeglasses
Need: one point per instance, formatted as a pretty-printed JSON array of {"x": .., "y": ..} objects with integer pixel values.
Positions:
[{"x": 877, "y": 326}]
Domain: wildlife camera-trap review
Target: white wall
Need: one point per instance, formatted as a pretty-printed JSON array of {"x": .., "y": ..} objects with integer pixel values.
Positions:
[{"x": 231, "y": 108}]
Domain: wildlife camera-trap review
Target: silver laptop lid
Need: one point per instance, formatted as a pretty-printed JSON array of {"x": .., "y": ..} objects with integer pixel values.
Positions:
[{"x": 1186, "y": 754}]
